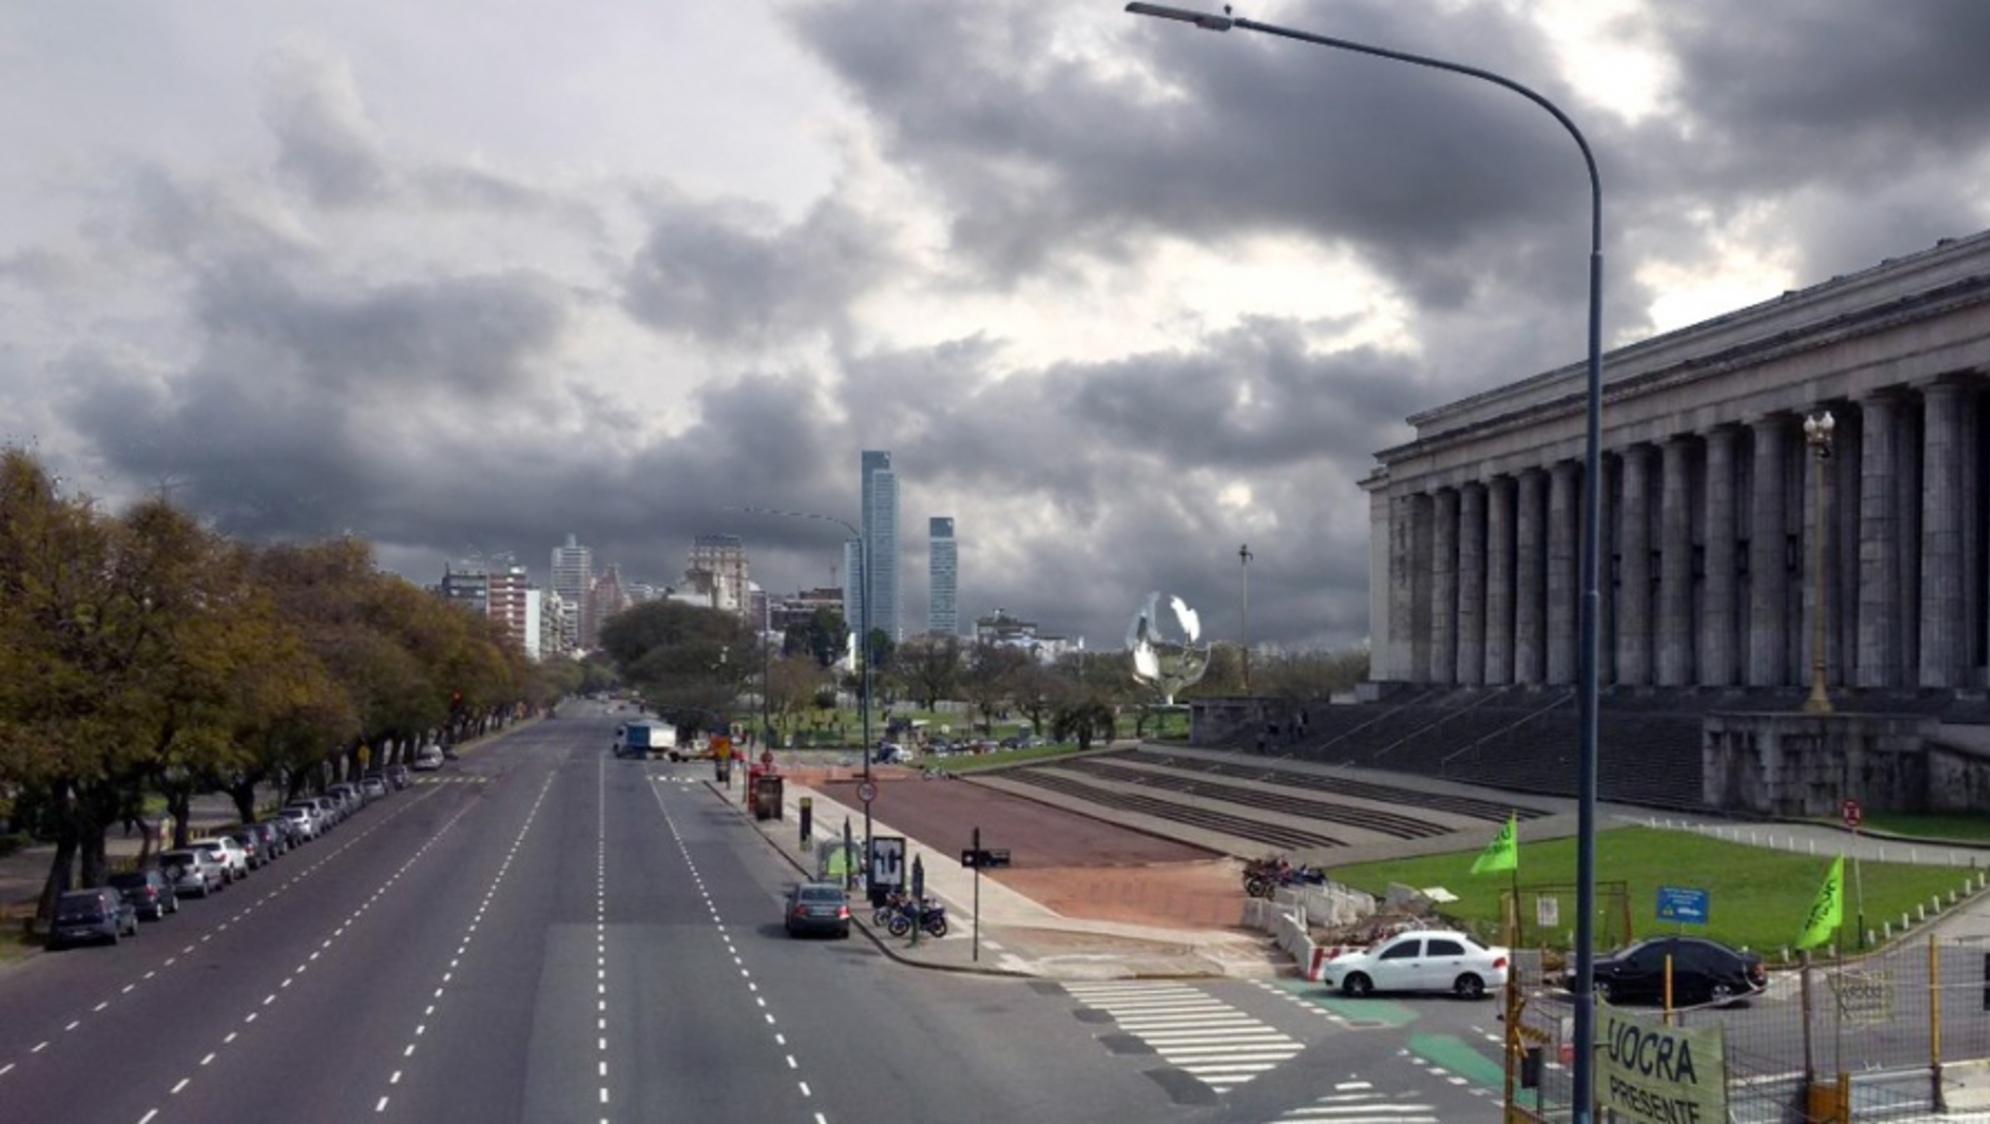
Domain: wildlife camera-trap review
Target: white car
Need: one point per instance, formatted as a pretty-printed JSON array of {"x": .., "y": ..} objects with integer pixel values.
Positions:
[
  {"x": 429, "y": 759},
  {"x": 306, "y": 819},
  {"x": 228, "y": 853},
  {"x": 1422, "y": 960}
]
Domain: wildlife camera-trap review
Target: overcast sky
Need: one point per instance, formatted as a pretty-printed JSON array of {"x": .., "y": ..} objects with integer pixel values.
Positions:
[{"x": 1118, "y": 295}]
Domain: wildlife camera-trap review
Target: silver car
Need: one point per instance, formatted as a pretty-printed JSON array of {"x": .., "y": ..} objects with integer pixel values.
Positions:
[
  {"x": 374, "y": 788},
  {"x": 305, "y": 816},
  {"x": 192, "y": 872}
]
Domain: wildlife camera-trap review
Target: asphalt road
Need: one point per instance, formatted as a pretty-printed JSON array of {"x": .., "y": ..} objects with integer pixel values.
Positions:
[{"x": 548, "y": 934}]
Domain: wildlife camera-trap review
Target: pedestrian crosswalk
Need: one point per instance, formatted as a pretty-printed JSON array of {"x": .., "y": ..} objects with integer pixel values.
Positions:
[
  {"x": 1217, "y": 1044},
  {"x": 1357, "y": 1102},
  {"x": 465, "y": 778}
]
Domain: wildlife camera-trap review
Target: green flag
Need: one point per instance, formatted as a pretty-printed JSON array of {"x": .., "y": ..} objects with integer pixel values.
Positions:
[
  {"x": 1503, "y": 853},
  {"x": 1828, "y": 911}
]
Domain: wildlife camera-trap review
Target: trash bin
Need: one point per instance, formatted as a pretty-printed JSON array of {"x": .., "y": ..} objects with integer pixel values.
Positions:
[{"x": 767, "y": 797}]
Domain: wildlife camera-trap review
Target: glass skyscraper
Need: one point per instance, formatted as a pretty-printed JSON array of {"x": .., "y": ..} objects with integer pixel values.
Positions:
[
  {"x": 880, "y": 496},
  {"x": 943, "y": 571}
]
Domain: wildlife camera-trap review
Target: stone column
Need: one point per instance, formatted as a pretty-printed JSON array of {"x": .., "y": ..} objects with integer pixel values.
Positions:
[
  {"x": 1846, "y": 453},
  {"x": 1972, "y": 533},
  {"x": 1717, "y": 611},
  {"x": 1675, "y": 565},
  {"x": 1941, "y": 537},
  {"x": 1879, "y": 561},
  {"x": 1768, "y": 576},
  {"x": 1530, "y": 578},
  {"x": 1907, "y": 537},
  {"x": 1634, "y": 590},
  {"x": 1564, "y": 569},
  {"x": 1422, "y": 515},
  {"x": 1472, "y": 584},
  {"x": 1606, "y": 576},
  {"x": 1499, "y": 580},
  {"x": 1444, "y": 589}
]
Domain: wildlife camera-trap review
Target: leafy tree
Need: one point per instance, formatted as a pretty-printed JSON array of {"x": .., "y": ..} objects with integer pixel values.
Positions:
[
  {"x": 793, "y": 684},
  {"x": 1036, "y": 691},
  {"x": 931, "y": 668},
  {"x": 689, "y": 662},
  {"x": 987, "y": 681},
  {"x": 1082, "y": 716},
  {"x": 823, "y": 636},
  {"x": 882, "y": 651}
]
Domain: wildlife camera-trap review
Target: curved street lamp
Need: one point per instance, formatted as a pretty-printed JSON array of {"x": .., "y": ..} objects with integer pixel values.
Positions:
[
  {"x": 864, "y": 646},
  {"x": 1585, "y": 953}
]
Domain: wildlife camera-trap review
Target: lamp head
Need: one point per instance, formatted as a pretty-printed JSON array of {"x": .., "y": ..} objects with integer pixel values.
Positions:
[{"x": 1204, "y": 20}]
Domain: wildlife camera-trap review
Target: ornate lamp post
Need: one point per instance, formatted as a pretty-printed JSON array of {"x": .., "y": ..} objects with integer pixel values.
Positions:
[{"x": 1817, "y": 434}]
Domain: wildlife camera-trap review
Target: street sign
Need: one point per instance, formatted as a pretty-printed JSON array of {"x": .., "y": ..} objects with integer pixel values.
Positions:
[
  {"x": 866, "y": 791},
  {"x": 1864, "y": 998},
  {"x": 1547, "y": 912},
  {"x": 1685, "y": 906},
  {"x": 986, "y": 858},
  {"x": 888, "y": 860},
  {"x": 1853, "y": 813}
]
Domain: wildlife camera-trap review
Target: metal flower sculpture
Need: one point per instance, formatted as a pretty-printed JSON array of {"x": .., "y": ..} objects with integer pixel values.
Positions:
[{"x": 1168, "y": 654}]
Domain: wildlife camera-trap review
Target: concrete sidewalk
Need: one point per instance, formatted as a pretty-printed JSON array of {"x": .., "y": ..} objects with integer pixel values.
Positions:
[{"x": 1019, "y": 936}]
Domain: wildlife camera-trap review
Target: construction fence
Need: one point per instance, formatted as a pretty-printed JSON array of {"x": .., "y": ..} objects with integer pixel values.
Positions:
[{"x": 1902, "y": 1035}]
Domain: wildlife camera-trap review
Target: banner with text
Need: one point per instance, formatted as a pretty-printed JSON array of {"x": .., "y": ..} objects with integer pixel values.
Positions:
[{"x": 1661, "y": 1074}]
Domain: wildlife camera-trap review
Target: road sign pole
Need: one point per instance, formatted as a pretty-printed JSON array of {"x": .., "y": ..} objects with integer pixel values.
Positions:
[{"x": 977, "y": 896}]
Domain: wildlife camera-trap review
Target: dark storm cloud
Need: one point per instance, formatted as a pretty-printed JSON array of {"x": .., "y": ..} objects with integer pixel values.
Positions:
[
  {"x": 464, "y": 333},
  {"x": 727, "y": 273}
]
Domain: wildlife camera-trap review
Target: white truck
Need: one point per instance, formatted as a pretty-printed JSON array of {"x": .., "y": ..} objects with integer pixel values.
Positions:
[{"x": 644, "y": 739}]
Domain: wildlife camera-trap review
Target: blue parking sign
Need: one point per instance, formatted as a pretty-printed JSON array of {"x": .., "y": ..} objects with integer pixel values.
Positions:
[{"x": 1686, "y": 906}]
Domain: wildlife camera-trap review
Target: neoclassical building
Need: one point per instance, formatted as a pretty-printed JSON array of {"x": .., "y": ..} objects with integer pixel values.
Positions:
[{"x": 1713, "y": 502}]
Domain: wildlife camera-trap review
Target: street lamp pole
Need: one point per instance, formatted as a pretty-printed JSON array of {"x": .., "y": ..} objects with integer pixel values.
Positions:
[
  {"x": 864, "y": 650},
  {"x": 1584, "y": 1091},
  {"x": 1244, "y": 557}
]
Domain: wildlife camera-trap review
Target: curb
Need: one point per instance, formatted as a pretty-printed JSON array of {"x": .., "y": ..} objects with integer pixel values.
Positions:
[{"x": 862, "y": 925}]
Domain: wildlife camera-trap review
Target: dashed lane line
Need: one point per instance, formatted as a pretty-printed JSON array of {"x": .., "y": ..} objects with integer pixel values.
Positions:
[
  {"x": 250, "y": 1018},
  {"x": 469, "y": 934},
  {"x": 718, "y": 923}
]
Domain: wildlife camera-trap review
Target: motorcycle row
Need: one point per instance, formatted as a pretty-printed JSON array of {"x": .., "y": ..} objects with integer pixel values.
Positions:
[
  {"x": 901, "y": 912},
  {"x": 1264, "y": 876}
]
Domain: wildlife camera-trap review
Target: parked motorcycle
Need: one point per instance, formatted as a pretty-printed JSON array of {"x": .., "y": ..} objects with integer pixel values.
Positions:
[
  {"x": 929, "y": 914},
  {"x": 1263, "y": 879}
]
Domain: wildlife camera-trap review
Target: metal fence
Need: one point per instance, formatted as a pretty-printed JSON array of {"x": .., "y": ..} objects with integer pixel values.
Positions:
[{"x": 1907, "y": 1032}]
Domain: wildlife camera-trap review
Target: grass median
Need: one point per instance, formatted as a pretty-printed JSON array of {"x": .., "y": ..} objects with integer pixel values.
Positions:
[
  {"x": 972, "y": 763},
  {"x": 1960, "y": 827},
  {"x": 1757, "y": 897}
]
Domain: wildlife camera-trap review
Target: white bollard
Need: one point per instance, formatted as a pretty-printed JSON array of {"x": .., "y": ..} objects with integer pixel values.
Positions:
[
  {"x": 1887, "y": 928},
  {"x": 1921, "y": 912},
  {"x": 1813, "y": 846}
]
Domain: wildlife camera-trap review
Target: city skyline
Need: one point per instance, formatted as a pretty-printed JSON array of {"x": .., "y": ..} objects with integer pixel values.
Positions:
[
  {"x": 943, "y": 576},
  {"x": 304, "y": 261}
]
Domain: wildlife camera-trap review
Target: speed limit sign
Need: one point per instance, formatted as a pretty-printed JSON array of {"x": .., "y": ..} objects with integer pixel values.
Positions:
[{"x": 867, "y": 792}]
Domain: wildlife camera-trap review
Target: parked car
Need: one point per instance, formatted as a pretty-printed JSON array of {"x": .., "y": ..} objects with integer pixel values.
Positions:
[
  {"x": 287, "y": 834},
  {"x": 193, "y": 872},
  {"x": 92, "y": 915},
  {"x": 449, "y": 751},
  {"x": 254, "y": 854},
  {"x": 148, "y": 892},
  {"x": 817, "y": 907},
  {"x": 331, "y": 809},
  {"x": 429, "y": 759},
  {"x": 304, "y": 817},
  {"x": 228, "y": 853},
  {"x": 275, "y": 840},
  {"x": 397, "y": 775},
  {"x": 348, "y": 797},
  {"x": 889, "y": 753},
  {"x": 1703, "y": 971},
  {"x": 1421, "y": 960},
  {"x": 375, "y": 788}
]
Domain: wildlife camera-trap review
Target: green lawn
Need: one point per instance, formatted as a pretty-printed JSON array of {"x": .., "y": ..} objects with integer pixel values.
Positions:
[
  {"x": 15, "y": 942},
  {"x": 1758, "y": 896},
  {"x": 1958, "y": 826}
]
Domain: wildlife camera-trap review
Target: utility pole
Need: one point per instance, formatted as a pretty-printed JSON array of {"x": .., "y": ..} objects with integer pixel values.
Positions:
[{"x": 1244, "y": 557}]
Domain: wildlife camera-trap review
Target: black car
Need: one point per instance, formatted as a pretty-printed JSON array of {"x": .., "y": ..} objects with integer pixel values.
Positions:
[
  {"x": 148, "y": 892},
  {"x": 275, "y": 841},
  {"x": 817, "y": 907},
  {"x": 91, "y": 915},
  {"x": 1703, "y": 971},
  {"x": 252, "y": 845}
]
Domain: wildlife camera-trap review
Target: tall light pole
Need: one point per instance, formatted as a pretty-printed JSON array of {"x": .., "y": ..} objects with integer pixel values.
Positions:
[
  {"x": 1584, "y": 1091},
  {"x": 1817, "y": 434},
  {"x": 1244, "y": 557},
  {"x": 863, "y": 647}
]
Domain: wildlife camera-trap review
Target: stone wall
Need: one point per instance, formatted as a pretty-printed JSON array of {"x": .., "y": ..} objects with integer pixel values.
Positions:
[{"x": 1804, "y": 765}]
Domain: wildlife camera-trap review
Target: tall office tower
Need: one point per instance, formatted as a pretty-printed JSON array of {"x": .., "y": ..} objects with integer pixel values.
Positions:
[
  {"x": 853, "y": 584},
  {"x": 881, "y": 541},
  {"x": 943, "y": 572},
  {"x": 573, "y": 580},
  {"x": 604, "y": 601},
  {"x": 724, "y": 557}
]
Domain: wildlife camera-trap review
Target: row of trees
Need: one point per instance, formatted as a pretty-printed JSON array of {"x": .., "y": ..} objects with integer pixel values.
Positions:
[
  {"x": 143, "y": 655},
  {"x": 692, "y": 664}
]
